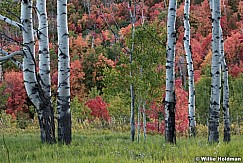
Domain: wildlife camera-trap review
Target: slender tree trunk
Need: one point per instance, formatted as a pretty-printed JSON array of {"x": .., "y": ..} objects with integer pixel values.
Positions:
[
  {"x": 63, "y": 92},
  {"x": 144, "y": 121},
  {"x": 32, "y": 80},
  {"x": 1, "y": 71},
  {"x": 44, "y": 69},
  {"x": 28, "y": 61},
  {"x": 214, "y": 111},
  {"x": 44, "y": 56},
  {"x": 139, "y": 121},
  {"x": 225, "y": 90},
  {"x": 133, "y": 20},
  {"x": 190, "y": 70},
  {"x": 170, "y": 101}
]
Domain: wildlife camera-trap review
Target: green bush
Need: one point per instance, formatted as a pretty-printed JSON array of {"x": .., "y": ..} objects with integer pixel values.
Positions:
[
  {"x": 23, "y": 119},
  {"x": 118, "y": 108},
  {"x": 202, "y": 88},
  {"x": 80, "y": 112},
  {"x": 5, "y": 120},
  {"x": 236, "y": 99}
]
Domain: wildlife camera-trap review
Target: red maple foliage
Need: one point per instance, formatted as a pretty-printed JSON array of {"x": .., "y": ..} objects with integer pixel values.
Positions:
[
  {"x": 98, "y": 108},
  {"x": 15, "y": 88},
  {"x": 181, "y": 112}
]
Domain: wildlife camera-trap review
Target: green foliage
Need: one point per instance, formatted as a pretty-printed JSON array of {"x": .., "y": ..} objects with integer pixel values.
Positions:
[
  {"x": 148, "y": 56},
  {"x": 106, "y": 146},
  {"x": 5, "y": 120},
  {"x": 94, "y": 92},
  {"x": 3, "y": 98},
  {"x": 9, "y": 8},
  {"x": 23, "y": 119},
  {"x": 202, "y": 88},
  {"x": 147, "y": 72},
  {"x": 118, "y": 108},
  {"x": 80, "y": 112},
  {"x": 236, "y": 99}
]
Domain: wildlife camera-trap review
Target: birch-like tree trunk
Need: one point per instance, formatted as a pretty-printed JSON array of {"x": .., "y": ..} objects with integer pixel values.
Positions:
[
  {"x": 63, "y": 92},
  {"x": 1, "y": 71},
  {"x": 139, "y": 121},
  {"x": 214, "y": 111},
  {"x": 44, "y": 56},
  {"x": 32, "y": 79},
  {"x": 190, "y": 70},
  {"x": 133, "y": 20},
  {"x": 225, "y": 84},
  {"x": 170, "y": 101},
  {"x": 144, "y": 121}
]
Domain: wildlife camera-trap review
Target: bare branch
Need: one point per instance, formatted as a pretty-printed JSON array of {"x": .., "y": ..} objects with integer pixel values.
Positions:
[
  {"x": 11, "y": 22},
  {"x": 11, "y": 55},
  {"x": 14, "y": 61}
]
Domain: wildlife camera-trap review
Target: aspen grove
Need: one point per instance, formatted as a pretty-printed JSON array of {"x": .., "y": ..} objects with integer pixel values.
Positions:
[{"x": 142, "y": 67}]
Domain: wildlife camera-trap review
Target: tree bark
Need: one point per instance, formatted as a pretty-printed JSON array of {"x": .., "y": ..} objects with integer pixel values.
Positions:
[
  {"x": 133, "y": 20},
  {"x": 144, "y": 121},
  {"x": 225, "y": 84},
  {"x": 31, "y": 78},
  {"x": 190, "y": 70},
  {"x": 139, "y": 121},
  {"x": 170, "y": 101},
  {"x": 44, "y": 56},
  {"x": 1, "y": 71},
  {"x": 214, "y": 111},
  {"x": 63, "y": 92}
]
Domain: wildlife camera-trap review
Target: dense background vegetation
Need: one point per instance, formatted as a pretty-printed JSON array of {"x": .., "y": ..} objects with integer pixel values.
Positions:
[{"x": 99, "y": 37}]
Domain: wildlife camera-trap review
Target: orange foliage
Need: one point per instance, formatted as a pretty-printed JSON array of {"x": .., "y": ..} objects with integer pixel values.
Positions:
[
  {"x": 207, "y": 60},
  {"x": 76, "y": 78}
]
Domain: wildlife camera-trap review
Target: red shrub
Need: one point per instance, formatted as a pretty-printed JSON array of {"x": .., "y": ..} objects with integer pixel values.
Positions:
[
  {"x": 98, "y": 108},
  {"x": 15, "y": 88},
  {"x": 181, "y": 112}
]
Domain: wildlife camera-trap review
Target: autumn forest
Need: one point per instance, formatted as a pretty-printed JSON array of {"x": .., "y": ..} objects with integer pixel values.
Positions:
[{"x": 136, "y": 70}]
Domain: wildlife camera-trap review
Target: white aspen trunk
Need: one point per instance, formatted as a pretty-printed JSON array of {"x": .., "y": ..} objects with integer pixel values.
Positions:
[
  {"x": 213, "y": 128},
  {"x": 1, "y": 71},
  {"x": 144, "y": 122},
  {"x": 31, "y": 80},
  {"x": 170, "y": 101},
  {"x": 132, "y": 121},
  {"x": 225, "y": 90},
  {"x": 44, "y": 56},
  {"x": 28, "y": 60},
  {"x": 63, "y": 92},
  {"x": 190, "y": 70},
  {"x": 139, "y": 121}
]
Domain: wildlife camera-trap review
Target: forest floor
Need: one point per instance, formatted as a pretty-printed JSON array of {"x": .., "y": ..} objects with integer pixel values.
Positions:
[{"x": 105, "y": 146}]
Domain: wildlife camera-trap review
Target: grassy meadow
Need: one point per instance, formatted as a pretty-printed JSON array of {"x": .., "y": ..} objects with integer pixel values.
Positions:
[{"x": 108, "y": 146}]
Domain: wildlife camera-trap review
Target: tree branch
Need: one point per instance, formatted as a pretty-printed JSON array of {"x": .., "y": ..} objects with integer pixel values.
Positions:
[
  {"x": 10, "y": 55},
  {"x": 11, "y": 22},
  {"x": 17, "y": 63}
]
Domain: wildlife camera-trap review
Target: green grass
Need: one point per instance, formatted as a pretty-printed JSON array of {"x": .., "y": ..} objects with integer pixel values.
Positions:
[{"x": 107, "y": 146}]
